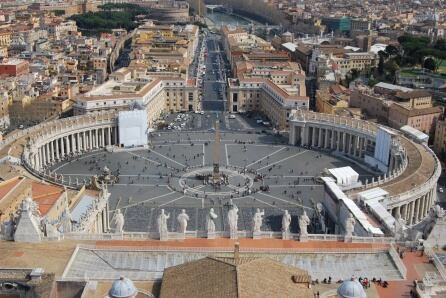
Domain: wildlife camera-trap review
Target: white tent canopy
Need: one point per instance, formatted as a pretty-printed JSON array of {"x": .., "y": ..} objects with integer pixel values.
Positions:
[{"x": 344, "y": 176}]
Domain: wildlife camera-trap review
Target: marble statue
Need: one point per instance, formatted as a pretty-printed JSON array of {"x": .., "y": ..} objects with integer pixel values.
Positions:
[
  {"x": 304, "y": 221},
  {"x": 28, "y": 205},
  {"x": 119, "y": 221},
  {"x": 232, "y": 221},
  {"x": 162, "y": 225},
  {"x": 183, "y": 218},
  {"x": 51, "y": 231},
  {"x": 7, "y": 229},
  {"x": 211, "y": 221},
  {"x": 257, "y": 220},
  {"x": 286, "y": 221},
  {"x": 436, "y": 212},
  {"x": 66, "y": 221},
  {"x": 349, "y": 225}
]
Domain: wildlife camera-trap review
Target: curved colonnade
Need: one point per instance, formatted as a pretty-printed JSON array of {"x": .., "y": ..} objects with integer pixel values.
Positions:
[
  {"x": 411, "y": 180},
  {"x": 64, "y": 138},
  {"x": 413, "y": 172}
]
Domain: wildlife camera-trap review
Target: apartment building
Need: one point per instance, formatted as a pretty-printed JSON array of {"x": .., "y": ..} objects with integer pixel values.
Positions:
[
  {"x": 440, "y": 136},
  {"x": 397, "y": 106},
  {"x": 272, "y": 88},
  {"x": 332, "y": 99},
  {"x": 138, "y": 89}
]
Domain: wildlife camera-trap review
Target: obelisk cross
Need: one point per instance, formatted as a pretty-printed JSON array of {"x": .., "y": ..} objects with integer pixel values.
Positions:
[{"x": 216, "y": 153}]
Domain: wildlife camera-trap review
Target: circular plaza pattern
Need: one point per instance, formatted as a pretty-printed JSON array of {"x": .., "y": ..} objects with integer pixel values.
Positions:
[
  {"x": 262, "y": 172},
  {"x": 274, "y": 172}
]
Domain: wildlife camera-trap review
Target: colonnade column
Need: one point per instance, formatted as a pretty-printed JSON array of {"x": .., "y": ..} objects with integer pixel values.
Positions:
[
  {"x": 116, "y": 135},
  {"x": 320, "y": 140},
  {"x": 62, "y": 146},
  {"x": 57, "y": 148},
  {"x": 48, "y": 155},
  {"x": 411, "y": 212},
  {"x": 84, "y": 141},
  {"x": 326, "y": 146},
  {"x": 404, "y": 211},
  {"x": 90, "y": 140},
  {"x": 103, "y": 137},
  {"x": 42, "y": 152},
  {"x": 68, "y": 145},
  {"x": 109, "y": 136},
  {"x": 73, "y": 143},
  {"x": 79, "y": 142},
  {"x": 53, "y": 150}
]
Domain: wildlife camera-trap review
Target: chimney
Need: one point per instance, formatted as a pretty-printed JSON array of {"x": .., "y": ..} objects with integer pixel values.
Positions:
[
  {"x": 237, "y": 251},
  {"x": 36, "y": 274}
]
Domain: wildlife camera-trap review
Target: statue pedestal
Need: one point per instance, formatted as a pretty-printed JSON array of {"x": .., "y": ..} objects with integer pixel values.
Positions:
[
  {"x": 164, "y": 236},
  {"x": 211, "y": 235},
  {"x": 257, "y": 235},
  {"x": 303, "y": 238},
  {"x": 348, "y": 238},
  {"x": 286, "y": 236},
  {"x": 233, "y": 235}
]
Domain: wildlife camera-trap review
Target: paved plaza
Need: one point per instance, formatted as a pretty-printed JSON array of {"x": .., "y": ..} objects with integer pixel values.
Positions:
[{"x": 155, "y": 178}]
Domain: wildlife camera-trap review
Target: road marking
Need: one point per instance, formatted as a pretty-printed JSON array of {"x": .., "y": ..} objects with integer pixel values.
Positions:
[
  {"x": 172, "y": 201},
  {"x": 143, "y": 157},
  {"x": 256, "y": 199},
  {"x": 269, "y": 155},
  {"x": 226, "y": 153},
  {"x": 168, "y": 158},
  {"x": 148, "y": 200},
  {"x": 292, "y": 203},
  {"x": 274, "y": 163}
]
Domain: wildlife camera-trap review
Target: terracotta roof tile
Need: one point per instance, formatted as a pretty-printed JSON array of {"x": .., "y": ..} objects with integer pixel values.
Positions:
[{"x": 45, "y": 195}]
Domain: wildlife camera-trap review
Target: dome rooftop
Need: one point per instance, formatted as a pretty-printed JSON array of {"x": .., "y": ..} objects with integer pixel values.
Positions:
[
  {"x": 122, "y": 288},
  {"x": 351, "y": 289}
]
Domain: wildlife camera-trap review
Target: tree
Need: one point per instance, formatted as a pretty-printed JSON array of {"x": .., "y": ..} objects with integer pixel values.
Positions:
[
  {"x": 391, "y": 50},
  {"x": 431, "y": 64},
  {"x": 382, "y": 56},
  {"x": 391, "y": 68}
]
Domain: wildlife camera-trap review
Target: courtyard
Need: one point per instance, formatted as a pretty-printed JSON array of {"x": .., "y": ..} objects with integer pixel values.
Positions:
[{"x": 164, "y": 176}]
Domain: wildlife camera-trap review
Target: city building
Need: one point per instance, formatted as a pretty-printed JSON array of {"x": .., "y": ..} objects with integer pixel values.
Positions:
[
  {"x": 14, "y": 67},
  {"x": 155, "y": 94},
  {"x": 397, "y": 106},
  {"x": 332, "y": 100},
  {"x": 273, "y": 89},
  {"x": 440, "y": 136}
]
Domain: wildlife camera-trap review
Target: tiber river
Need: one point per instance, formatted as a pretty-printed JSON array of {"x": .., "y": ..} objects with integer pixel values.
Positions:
[{"x": 218, "y": 19}]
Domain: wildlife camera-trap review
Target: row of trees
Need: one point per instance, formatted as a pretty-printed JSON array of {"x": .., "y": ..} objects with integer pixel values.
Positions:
[
  {"x": 255, "y": 9},
  {"x": 112, "y": 16},
  {"x": 412, "y": 51}
]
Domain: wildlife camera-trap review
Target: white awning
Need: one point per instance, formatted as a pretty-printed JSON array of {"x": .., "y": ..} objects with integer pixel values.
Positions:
[{"x": 345, "y": 175}]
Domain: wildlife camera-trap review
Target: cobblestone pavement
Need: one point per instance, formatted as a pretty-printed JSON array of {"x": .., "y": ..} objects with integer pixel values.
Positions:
[{"x": 148, "y": 177}]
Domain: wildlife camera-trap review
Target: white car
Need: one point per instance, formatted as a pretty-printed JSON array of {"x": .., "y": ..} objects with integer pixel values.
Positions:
[
  {"x": 259, "y": 121},
  {"x": 231, "y": 116},
  {"x": 202, "y": 112},
  {"x": 440, "y": 189}
]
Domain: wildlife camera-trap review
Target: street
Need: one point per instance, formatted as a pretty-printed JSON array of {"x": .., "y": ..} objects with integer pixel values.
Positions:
[{"x": 214, "y": 79}]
